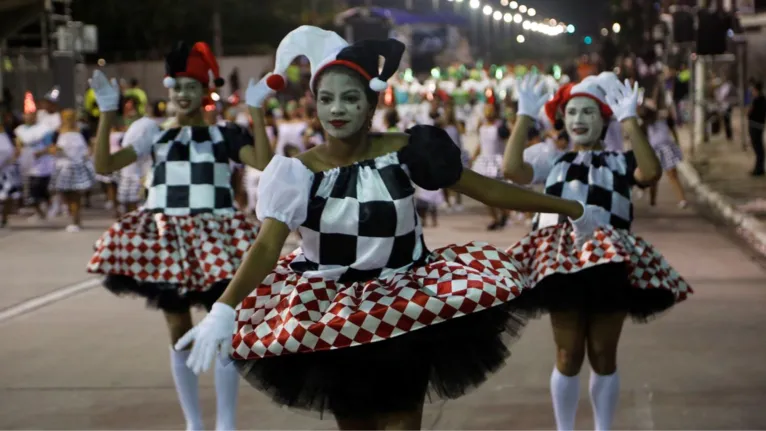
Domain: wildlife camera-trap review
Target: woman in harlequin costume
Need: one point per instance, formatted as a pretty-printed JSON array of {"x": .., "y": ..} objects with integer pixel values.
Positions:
[
  {"x": 589, "y": 290},
  {"x": 365, "y": 322},
  {"x": 183, "y": 246}
]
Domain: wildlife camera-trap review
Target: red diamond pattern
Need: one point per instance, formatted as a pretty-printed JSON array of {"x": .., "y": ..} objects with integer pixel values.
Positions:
[{"x": 191, "y": 251}]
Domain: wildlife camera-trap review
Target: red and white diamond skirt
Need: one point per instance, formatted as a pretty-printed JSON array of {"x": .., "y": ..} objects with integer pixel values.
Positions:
[
  {"x": 615, "y": 271},
  {"x": 381, "y": 345},
  {"x": 173, "y": 261}
]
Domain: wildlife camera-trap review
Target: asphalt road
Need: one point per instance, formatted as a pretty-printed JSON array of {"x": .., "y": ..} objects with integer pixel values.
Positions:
[{"x": 75, "y": 357}]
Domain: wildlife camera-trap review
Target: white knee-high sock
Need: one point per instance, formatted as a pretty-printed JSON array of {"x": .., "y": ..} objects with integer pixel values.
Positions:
[
  {"x": 187, "y": 386},
  {"x": 565, "y": 392},
  {"x": 604, "y": 393},
  {"x": 226, "y": 390}
]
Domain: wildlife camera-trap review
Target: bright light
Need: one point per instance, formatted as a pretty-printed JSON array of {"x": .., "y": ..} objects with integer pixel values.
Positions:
[
  {"x": 474, "y": 4},
  {"x": 504, "y": 2},
  {"x": 507, "y": 17},
  {"x": 570, "y": 29},
  {"x": 487, "y": 10},
  {"x": 604, "y": 32},
  {"x": 518, "y": 18},
  {"x": 523, "y": 9},
  {"x": 588, "y": 40},
  {"x": 514, "y": 5},
  {"x": 616, "y": 27},
  {"x": 552, "y": 21},
  {"x": 532, "y": 12},
  {"x": 497, "y": 15},
  {"x": 520, "y": 38},
  {"x": 526, "y": 25},
  {"x": 215, "y": 97}
]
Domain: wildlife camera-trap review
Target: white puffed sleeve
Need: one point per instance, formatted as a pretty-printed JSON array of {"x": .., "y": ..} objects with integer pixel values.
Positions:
[
  {"x": 541, "y": 157},
  {"x": 283, "y": 191},
  {"x": 141, "y": 135}
]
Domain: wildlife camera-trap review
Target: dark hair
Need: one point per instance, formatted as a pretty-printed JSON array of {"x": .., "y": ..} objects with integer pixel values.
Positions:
[
  {"x": 370, "y": 94},
  {"x": 392, "y": 118},
  {"x": 758, "y": 86},
  {"x": 134, "y": 82}
]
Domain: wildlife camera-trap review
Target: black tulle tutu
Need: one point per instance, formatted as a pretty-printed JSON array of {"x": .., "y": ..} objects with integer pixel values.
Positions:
[
  {"x": 601, "y": 289},
  {"x": 442, "y": 361},
  {"x": 165, "y": 296},
  {"x": 614, "y": 271}
]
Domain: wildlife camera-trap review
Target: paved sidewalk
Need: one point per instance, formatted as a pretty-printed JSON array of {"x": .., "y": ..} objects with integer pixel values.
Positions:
[{"x": 718, "y": 172}]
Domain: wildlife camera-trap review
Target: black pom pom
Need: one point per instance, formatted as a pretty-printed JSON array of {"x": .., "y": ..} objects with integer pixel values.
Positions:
[{"x": 219, "y": 82}]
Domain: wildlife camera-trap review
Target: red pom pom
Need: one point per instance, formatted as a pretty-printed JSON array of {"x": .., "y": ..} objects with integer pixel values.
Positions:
[{"x": 276, "y": 82}]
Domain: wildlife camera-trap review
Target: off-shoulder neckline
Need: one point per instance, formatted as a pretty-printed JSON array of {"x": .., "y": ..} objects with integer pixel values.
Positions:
[{"x": 344, "y": 167}]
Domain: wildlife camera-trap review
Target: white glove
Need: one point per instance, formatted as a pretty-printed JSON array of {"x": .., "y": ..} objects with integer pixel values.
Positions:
[
  {"x": 258, "y": 92},
  {"x": 532, "y": 96},
  {"x": 107, "y": 92},
  {"x": 622, "y": 99},
  {"x": 209, "y": 336},
  {"x": 592, "y": 218}
]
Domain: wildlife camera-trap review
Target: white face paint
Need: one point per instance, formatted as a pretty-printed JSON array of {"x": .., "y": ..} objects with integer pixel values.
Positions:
[
  {"x": 583, "y": 121},
  {"x": 187, "y": 95},
  {"x": 342, "y": 106}
]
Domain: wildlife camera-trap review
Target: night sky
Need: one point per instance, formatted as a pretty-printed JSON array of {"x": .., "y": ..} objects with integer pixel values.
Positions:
[{"x": 587, "y": 15}]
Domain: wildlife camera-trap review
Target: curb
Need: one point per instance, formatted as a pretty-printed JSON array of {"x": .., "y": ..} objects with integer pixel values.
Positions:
[{"x": 747, "y": 226}]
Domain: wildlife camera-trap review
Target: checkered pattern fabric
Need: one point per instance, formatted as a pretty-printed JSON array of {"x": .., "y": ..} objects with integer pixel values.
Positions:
[
  {"x": 602, "y": 178},
  {"x": 10, "y": 183},
  {"x": 361, "y": 222},
  {"x": 669, "y": 153},
  {"x": 293, "y": 313},
  {"x": 129, "y": 189},
  {"x": 552, "y": 250},
  {"x": 192, "y": 252},
  {"x": 73, "y": 176},
  {"x": 191, "y": 173},
  {"x": 489, "y": 165}
]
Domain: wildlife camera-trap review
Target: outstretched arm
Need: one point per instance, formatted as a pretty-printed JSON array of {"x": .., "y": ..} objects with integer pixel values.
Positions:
[{"x": 498, "y": 194}]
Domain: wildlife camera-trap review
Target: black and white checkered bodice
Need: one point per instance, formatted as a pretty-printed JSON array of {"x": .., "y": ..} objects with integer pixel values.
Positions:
[
  {"x": 191, "y": 173},
  {"x": 603, "y": 178},
  {"x": 359, "y": 221}
]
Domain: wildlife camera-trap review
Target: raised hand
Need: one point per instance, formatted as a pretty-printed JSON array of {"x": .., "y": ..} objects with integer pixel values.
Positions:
[
  {"x": 258, "y": 92},
  {"x": 532, "y": 95},
  {"x": 107, "y": 92},
  {"x": 623, "y": 99}
]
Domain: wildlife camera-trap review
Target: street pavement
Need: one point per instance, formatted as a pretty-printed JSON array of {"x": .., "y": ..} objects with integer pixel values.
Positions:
[{"x": 84, "y": 359}]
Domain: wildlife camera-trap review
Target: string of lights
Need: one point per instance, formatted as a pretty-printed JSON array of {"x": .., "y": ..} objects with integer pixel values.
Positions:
[{"x": 520, "y": 14}]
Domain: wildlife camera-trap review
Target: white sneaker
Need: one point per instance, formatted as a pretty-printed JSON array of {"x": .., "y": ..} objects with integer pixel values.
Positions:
[
  {"x": 683, "y": 204},
  {"x": 72, "y": 228},
  {"x": 108, "y": 205}
]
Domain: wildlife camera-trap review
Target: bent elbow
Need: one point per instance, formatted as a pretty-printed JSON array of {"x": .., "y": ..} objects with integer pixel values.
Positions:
[
  {"x": 518, "y": 176},
  {"x": 102, "y": 170}
]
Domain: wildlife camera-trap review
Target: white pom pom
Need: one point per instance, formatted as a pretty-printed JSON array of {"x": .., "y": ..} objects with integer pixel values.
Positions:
[
  {"x": 377, "y": 85},
  {"x": 169, "y": 82}
]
